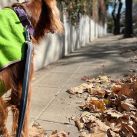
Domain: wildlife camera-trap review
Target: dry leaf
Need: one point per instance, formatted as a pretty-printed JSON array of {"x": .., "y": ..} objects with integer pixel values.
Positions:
[
  {"x": 79, "y": 89},
  {"x": 110, "y": 133},
  {"x": 84, "y": 134},
  {"x": 37, "y": 131},
  {"x": 116, "y": 88},
  {"x": 128, "y": 104},
  {"x": 79, "y": 124},
  {"x": 104, "y": 79},
  {"x": 113, "y": 113},
  {"x": 94, "y": 105},
  {"x": 59, "y": 134},
  {"x": 91, "y": 122}
]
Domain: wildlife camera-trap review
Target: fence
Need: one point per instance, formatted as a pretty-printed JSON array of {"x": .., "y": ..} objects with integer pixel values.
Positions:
[{"x": 55, "y": 46}]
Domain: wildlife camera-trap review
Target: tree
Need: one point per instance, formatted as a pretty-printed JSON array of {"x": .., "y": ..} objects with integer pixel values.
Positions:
[
  {"x": 116, "y": 14},
  {"x": 128, "y": 19},
  {"x": 99, "y": 11}
]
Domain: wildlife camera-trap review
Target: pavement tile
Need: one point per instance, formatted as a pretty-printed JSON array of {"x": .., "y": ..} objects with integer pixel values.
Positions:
[
  {"x": 62, "y": 108},
  {"x": 39, "y": 75},
  {"x": 54, "y": 80},
  {"x": 65, "y": 68},
  {"x": 41, "y": 97}
]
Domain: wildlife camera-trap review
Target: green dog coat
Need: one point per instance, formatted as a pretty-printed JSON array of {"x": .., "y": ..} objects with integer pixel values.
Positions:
[{"x": 12, "y": 40}]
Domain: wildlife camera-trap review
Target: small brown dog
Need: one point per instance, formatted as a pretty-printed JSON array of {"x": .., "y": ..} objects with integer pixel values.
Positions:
[{"x": 44, "y": 17}]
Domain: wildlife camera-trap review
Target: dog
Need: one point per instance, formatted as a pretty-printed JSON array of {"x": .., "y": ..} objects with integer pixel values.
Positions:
[{"x": 44, "y": 17}]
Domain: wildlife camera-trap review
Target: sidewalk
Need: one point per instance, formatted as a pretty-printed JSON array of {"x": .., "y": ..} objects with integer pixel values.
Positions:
[{"x": 52, "y": 106}]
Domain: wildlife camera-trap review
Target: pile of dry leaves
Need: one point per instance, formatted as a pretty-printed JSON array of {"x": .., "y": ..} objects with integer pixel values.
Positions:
[{"x": 110, "y": 108}]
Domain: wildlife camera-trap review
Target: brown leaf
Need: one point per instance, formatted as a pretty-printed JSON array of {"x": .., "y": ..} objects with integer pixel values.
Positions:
[
  {"x": 79, "y": 124},
  {"x": 129, "y": 128},
  {"x": 93, "y": 123},
  {"x": 113, "y": 113},
  {"x": 79, "y": 89},
  {"x": 84, "y": 134},
  {"x": 37, "y": 131},
  {"x": 110, "y": 133},
  {"x": 94, "y": 105},
  {"x": 104, "y": 78},
  {"x": 59, "y": 134},
  {"x": 128, "y": 104},
  {"x": 116, "y": 88}
]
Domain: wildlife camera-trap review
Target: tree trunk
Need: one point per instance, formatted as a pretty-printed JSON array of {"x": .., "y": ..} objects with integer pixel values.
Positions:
[
  {"x": 116, "y": 16},
  {"x": 128, "y": 19}
]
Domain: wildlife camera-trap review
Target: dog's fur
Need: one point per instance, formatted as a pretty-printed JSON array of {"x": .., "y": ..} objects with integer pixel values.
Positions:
[{"x": 44, "y": 16}]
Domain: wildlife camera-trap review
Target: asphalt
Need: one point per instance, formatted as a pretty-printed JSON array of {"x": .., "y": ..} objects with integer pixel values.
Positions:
[{"x": 52, "y": 106}]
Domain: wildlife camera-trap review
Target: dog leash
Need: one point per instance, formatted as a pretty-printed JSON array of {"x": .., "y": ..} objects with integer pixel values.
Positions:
[
  {"x": 25, "y": 83},
  {"x": 29, "y": 31}
]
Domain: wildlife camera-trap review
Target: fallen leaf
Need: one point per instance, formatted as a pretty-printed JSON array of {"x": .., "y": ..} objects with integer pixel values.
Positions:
[
  {"x": 37, "y": 131},
  {"x": 128, "y": 104},
  {"x": 59, "y": 134},
  {"x": 94, "y": 105},
  {"x": 80, "y": 89},
  {"x": 113, "y": 113}
]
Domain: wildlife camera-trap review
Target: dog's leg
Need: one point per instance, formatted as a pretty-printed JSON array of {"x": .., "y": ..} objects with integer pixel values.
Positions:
[
  {"x": 3, "y": 118},
  {"x": 15, "y": 101},
  {"x": 15, "y": 98},
  {"x": 15, "y": 112}
]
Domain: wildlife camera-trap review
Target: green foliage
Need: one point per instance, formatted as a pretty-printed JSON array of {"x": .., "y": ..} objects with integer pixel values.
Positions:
[
  {"x": 75, "y": 8},
  {"x": 107, "y": 2}
]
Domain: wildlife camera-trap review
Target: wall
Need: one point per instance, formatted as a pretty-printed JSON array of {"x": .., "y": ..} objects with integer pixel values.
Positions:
[{"x": 55, "y": 46}]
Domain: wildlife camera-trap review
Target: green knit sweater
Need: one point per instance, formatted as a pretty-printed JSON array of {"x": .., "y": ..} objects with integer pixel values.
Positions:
[{"x": 12, "y": 38}]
